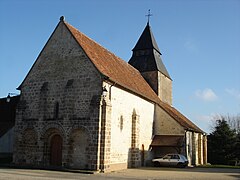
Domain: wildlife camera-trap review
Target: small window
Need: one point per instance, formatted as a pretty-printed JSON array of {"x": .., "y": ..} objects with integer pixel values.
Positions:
[
  {"x": 56, "y": 110},
  {"x": 121, "y": 122},
  {"x": 69, "y": 83},
  {"x": 44, "y": 87}
]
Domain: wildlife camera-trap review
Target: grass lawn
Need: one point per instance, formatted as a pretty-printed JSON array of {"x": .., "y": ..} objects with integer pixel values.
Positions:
[{"x": 218, "y": 166}]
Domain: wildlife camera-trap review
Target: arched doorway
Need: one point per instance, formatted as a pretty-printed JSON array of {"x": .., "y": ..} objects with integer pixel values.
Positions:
[{"x": 56, "y": 150}]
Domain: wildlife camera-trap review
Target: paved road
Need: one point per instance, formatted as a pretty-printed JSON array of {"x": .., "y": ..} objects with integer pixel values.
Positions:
[{"x": 128, "y": 174}]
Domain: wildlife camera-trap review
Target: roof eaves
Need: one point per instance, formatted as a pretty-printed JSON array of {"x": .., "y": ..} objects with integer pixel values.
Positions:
[
  {"x": 180, "y": 118},
  {"x": 160, "y": 66},
  {"x": 124, "y": 86},
  {"x": 130, "y": 90},
  {"x": 153, "y": 97}
]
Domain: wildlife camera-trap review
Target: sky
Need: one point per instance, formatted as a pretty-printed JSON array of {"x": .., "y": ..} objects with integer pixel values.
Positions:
[{"x": 199, "y": 41}]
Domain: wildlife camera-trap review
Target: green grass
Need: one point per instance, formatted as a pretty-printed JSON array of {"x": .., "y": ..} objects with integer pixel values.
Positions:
[{"x": 219, "y": 166}]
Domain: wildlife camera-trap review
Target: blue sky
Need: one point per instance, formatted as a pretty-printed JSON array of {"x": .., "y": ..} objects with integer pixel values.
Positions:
[{"x": 199, "y": 40}]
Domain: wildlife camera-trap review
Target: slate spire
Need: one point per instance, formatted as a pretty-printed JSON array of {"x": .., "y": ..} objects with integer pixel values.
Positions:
[
  {"x": 146, "y": 54},
  {"x": 146, "y": 40}
]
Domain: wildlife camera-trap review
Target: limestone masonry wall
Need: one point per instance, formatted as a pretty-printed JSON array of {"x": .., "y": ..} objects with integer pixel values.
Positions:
[
  {"x": 60, "y": 96},
  {"x": 131, "y": 127},
  {"x": 165, "y": 124},
  {"x": 165, "y": 88}
]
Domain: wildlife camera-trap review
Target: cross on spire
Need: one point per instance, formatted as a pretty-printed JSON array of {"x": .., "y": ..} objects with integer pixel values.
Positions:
[{"x": 149, "y": 15}]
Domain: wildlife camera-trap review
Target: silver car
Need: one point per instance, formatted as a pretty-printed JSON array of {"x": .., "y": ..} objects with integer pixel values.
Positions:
[{"x": 177, "y": 160}]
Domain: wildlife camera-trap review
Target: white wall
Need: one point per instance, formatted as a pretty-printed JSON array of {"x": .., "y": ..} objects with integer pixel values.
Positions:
[{"x": 123, "y": 104}]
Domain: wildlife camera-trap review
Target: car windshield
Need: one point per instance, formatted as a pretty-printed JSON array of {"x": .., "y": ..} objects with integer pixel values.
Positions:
[{"x": 167, "y": 156}]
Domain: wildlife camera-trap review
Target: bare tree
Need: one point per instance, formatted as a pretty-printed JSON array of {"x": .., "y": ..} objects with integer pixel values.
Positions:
[{"x": 232, "y": 120}]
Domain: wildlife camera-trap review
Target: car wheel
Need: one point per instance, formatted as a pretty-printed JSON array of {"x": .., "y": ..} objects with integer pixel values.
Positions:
[{"x": 156, "y": 164}]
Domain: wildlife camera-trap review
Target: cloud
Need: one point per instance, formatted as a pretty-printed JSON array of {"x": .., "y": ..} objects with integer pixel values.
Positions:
[
  {"x": 206, "y": 95},
  {"x": 234, "y": 92},
  {"x": 204, "y": 117},
  {"x": 209, "y": 117},
  {"x": 207, "y": 122},
  {"x": 190, "y": 45}
]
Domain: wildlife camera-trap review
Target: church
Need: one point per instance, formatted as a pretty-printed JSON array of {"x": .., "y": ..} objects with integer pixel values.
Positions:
[{"x": 82, "y": 107}]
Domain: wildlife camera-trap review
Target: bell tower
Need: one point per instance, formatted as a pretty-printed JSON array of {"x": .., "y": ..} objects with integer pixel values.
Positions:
[{"x": 146, "y": 58}]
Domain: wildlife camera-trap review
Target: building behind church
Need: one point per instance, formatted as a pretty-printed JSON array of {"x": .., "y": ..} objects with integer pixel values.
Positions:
[{"x": 82, "y": 107}]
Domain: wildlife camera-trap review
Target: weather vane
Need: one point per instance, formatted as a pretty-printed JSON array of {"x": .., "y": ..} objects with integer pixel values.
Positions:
[{"x": 149, "y": 15}]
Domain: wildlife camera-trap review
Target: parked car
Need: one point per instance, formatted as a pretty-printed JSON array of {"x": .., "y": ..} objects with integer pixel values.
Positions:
[{"x": 177, "y": 160}]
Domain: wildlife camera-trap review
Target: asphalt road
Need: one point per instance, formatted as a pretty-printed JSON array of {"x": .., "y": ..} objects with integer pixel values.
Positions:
[{"x": 129, "y": 174}]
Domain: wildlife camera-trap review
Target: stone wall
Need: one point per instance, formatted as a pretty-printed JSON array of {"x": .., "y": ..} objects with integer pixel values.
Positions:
[
  {"x": 161, "y": 84},
  {"x": 60, "y": 96},
  {"x": 165, "y": 88},
  {"x": 131, "y": 128},
  {"x": 164, "y": 124},
  {"x": 189, "y": 146},
  {"x": 196, "y": 148}
]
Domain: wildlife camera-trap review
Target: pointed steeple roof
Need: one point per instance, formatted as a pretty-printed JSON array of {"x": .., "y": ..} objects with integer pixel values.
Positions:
[
  {"x": 146, "y": 40},
  {"x": 117, "y": 71},
  {"x": 146, "y": 54}
]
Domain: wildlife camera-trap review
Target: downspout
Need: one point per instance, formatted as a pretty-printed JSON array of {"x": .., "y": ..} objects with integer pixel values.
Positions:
[
  {"x": 110, "y": 91},
  {"x": 102, "y": 138}
]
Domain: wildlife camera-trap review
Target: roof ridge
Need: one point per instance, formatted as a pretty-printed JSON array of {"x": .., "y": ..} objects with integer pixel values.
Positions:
[
  {"x": 125, "y": 75},
  {"x": 66, "y": 23},
  {"x": 101, "y": 46},
  {"x": 152, "y": 96}
]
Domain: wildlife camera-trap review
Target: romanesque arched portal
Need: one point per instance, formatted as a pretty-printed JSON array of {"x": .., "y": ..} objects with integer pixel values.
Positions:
[{"x": 56, "y": 150}]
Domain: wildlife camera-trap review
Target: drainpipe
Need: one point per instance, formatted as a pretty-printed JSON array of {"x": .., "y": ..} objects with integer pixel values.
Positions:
[
  {"x": 110, "y": 90},
  {"x": 102, "y": 138}
]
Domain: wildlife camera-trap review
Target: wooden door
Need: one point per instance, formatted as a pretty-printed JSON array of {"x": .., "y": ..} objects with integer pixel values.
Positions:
[
  {"x": 142, "y": 155},
  {"x": 56, "y": 150}
]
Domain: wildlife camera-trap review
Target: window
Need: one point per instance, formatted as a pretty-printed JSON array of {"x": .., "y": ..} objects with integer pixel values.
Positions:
[
  {"x": 175, "y": 156},
  {"x": 121, "y": 122},
  {"x": 69, "y": 83},
  {"x": 167, "y": 157},
  {"x": 56, "y": 110},
  {"x": 44, "y": 87}
]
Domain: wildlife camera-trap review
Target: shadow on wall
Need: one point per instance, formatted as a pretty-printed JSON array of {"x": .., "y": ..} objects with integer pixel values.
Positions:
[
  {"x": 6, "y": 158},
  {"x": 139, "y": 158}
]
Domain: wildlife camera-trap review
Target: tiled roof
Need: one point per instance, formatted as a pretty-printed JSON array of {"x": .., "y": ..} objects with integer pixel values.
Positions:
[
  {"x": 122, "y": 73},
  {"x": 151, "y": 60},
  {"x": 180, "y": 118},
  {"x": 168, "y": 140},
  {"x": 112, "y": 66}
]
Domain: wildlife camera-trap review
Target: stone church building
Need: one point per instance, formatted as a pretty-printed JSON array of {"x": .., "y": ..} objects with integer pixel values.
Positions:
[{"x": 83, "y": 107}]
